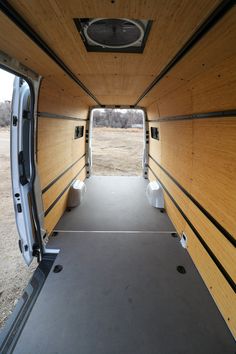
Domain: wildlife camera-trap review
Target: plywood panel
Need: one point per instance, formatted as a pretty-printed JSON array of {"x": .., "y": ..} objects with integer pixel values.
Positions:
[
  {"x": 214, "y": 168},
  {"x": 204, "y": 80},
  {"x": 220, "y": 246},
  {"x": 60, "y": 33},
  {"x": 55, "y": 214},
  {"x": 121, "y": 78},
  {"x": 209, "y": 145},
  {"x": 176, "y": 150},
  {"x": 57, "y": 211},
  {"x": 220, "y": 290},
  {"x": 153, "y": 111},
  {"x": 178, "y": 195},
  {"x": 174, "y": 215},
  {"x": 115, "y": 85},
  {"x": 215, "y": 281},
  {"x": 57, "y": 149},
  {"x": 63, "y": 100},
  {"x": 51, "y": 194},
  {"x": 216, "y": 89}
]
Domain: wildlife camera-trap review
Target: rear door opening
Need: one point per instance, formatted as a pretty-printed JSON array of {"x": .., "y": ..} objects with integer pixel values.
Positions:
[{"x": 117, "y": 141}]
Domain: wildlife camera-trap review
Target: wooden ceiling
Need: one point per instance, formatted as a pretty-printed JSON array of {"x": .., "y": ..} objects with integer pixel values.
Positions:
[{"x": 114, "y": 78}]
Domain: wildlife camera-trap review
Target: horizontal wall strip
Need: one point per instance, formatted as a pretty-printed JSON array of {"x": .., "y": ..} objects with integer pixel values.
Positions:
[
  {"x": 206, "y": 26},
  {"x": 229, "y": 237},
  {"x": 204, "y": 244},
  {"x": 61, "y": 194},
  {"x": 58, "y": 177},
  {"x": 58, "y": 116},
  {"x": 219, "y": 114},
  {"x": 117, "y": 232},
  {"x": 14, "y": 16}
]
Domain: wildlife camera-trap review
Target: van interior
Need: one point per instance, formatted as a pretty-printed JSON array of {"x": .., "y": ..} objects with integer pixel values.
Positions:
[{"x": 116, "y": 274}]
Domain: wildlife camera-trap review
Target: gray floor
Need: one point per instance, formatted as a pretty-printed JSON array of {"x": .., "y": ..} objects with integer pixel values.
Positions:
[
  {"x": 120, "y": 293},
  {"x": 115, "y": 203}
]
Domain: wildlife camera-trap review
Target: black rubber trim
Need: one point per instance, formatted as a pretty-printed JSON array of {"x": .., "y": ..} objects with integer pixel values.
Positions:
[
  {"x": 16, "y": 322},
  {"x": 208, "y": 115},
  {"x": 14, "y": 16},
  {"x": 61, "y": 194},
  {"x": 204, "y": 28},
  {"x": 227, "y": 235},
  {"x": 58, "y": 116},
  {"x": 61, "y": 174},
  {"x": 199, "y": 237}
]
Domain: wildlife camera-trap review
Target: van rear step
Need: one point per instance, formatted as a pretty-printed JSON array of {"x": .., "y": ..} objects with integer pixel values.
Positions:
[{"x": 12, "y": 329}]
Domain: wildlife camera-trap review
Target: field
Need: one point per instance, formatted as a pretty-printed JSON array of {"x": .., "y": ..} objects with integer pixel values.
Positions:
[{"x": 115, "y": 152}]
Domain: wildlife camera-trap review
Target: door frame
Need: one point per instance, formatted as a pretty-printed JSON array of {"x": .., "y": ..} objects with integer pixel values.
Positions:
[
  {"x": 90, "y": 137},
  {"x": 36, "y": 208}
]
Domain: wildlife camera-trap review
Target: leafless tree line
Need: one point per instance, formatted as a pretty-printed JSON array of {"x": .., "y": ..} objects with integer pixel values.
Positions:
[
  {"x": 5, "y": 113},
  {"x": 116, "y": 118}
]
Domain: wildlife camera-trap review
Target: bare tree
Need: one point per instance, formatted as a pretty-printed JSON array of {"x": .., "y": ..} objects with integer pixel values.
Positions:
[
  {"x": 5, "y": 113},
  {"x": 116, "y": 118}
]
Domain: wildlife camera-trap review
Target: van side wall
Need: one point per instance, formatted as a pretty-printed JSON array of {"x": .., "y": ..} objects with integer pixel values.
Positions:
[
  {"x": 195, "y": 158},
  {"x": 61, "y": 157}
]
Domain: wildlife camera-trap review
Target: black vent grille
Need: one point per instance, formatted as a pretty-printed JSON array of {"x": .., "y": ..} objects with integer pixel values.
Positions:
[{"x": 113, "y": 34}]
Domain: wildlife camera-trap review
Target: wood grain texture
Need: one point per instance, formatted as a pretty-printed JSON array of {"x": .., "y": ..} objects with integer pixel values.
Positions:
[
  {"x": 108, "y": 74},
  {"x": 214, "y": 168},
  {"x": 174, "y": 215},
  {"x": 52, "y": 193},
  {"x": 58, "y": 210},
  {"x": 219, "y": 288},
  {"x": 176, "y": 150},
  {"x": 206, "y": 149},
  {"x": 204, "y": 80},
  {"x": 57, "y": 149},
  {"x": 153, "y": 111},
  {"x": 220, "y": 246},
  {"x": 54, "y": 98}
]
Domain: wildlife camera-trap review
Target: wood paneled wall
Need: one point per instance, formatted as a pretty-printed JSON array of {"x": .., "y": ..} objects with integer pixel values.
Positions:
[
  {"x": 195, "y": 158},
  {"x": 200, "y": 155},
  {"x": 114, "y": 78},
  {"x": 204, "y": 80},
  {"x": 60, "y": 157}
]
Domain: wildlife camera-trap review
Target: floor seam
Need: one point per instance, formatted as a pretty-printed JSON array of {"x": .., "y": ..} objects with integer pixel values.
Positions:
[{"x": 117, "y": 232}]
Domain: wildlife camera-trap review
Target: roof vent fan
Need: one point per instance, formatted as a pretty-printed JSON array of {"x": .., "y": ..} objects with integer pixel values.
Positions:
[{"x": 113, "y": 34}]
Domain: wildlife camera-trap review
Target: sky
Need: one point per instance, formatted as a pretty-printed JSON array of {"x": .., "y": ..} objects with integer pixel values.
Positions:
[{"x": 6, "y": 85}]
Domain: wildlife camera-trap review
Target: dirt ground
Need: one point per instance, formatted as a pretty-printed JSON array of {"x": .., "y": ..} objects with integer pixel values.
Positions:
[
  {"x": 14, "y": 274},
  {"x": 115, "y": 152}
]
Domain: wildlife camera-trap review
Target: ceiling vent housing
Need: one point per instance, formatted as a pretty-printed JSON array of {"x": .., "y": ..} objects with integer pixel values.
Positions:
[{"x": 113, "y": 34}]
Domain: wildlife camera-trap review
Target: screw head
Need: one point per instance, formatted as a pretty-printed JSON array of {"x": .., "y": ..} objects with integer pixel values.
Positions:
[
  {"x": 181, "y": 269},
  {"x": 58, "y": 268}
]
